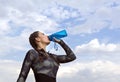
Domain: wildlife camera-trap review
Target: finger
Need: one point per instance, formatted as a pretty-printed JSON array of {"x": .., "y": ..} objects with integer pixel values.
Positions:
[{"x": 56, "y": 40}]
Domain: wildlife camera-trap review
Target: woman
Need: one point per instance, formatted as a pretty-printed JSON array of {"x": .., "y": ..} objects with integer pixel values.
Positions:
[{"x": 44, "y": 64}]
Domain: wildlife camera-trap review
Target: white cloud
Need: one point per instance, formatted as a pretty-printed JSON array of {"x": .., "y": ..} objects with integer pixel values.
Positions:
[
  {"x": 95, "y": 47},
  {"x": 8, "y": 70},
  {"x": 87, "y": 6},
  {"x": 96, "y": 67},
  {"x": 90, "y": 26},
  {"x": 12, "y": 38},
  {"x": 98, "y": 15},
  {"x": 32, "y": 20},
  {"x": 95, "y": 71},
  {"x": 24, "y": 5},
  {"x": 11, "y": 44},
  {"x": 4, "y": 27},
  {"x": 60, "y": 13}
]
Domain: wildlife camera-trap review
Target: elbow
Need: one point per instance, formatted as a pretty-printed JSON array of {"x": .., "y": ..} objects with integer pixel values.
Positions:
[{"x": 74, "y": 57}]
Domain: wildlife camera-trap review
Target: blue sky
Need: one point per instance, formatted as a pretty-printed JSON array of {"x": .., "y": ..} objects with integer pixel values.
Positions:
[{"x": 93, "y": 29}]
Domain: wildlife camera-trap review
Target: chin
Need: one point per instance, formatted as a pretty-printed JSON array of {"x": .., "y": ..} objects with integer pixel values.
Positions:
[{"x": 48, "y": 43}]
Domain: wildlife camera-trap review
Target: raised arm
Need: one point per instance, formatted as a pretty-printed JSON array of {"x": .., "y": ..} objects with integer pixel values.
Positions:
[
  {"x": 70, "y": 56},
  {"x": 26, "y": 66}
]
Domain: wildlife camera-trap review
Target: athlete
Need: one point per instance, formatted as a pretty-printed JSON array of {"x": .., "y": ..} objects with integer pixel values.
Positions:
[{"x": 44, "y": 64}]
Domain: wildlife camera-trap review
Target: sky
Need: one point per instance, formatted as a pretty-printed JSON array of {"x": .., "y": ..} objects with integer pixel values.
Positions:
[{"x": 93, "y": 29}]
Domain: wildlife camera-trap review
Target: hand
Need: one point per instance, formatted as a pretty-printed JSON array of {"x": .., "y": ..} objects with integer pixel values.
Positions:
[{"x": 57, "y": 40}]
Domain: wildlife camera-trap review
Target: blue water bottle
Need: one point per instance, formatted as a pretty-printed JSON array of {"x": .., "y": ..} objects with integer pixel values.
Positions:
[{"x": 58, "y": 35}]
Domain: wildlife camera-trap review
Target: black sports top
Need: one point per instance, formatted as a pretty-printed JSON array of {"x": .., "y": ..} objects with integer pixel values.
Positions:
[{"x": 48, "y": 66}]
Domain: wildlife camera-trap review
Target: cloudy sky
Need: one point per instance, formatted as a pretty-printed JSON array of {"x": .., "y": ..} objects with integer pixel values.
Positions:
[{"x": 93, "y": 28}]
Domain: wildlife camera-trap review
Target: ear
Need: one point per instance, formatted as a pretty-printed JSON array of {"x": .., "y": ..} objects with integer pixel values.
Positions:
[{"x": 38, "y": 39}]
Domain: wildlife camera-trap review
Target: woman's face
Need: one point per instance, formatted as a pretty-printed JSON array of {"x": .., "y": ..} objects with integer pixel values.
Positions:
[{"x": 43, "y": 38}]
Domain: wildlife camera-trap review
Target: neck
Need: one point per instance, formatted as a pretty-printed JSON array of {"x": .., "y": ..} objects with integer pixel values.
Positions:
[{"x": 41, "y": 46}]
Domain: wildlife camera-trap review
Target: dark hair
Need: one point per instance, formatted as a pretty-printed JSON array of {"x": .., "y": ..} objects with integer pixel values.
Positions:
[
  {"x": 34, "y": 45},
  {"x": 32, "y": 39}
]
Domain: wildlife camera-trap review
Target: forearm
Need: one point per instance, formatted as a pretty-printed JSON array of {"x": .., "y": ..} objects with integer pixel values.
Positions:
[{"x": 69, "y": 53}]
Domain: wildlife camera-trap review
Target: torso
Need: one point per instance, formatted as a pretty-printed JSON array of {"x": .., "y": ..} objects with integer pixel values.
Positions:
[{"x": 48, "y": 66}]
